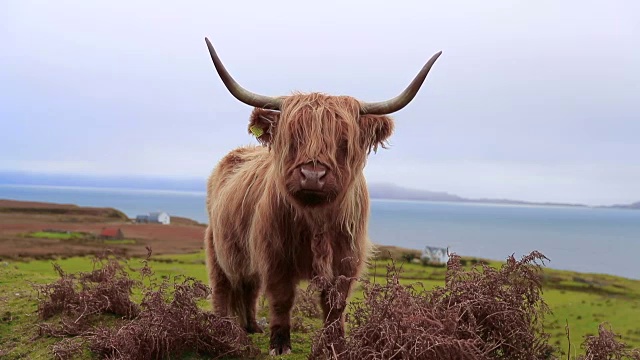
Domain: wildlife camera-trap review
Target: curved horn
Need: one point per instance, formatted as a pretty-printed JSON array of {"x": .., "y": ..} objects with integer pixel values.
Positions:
[
  {"x": 240, "y": 93},
  {"x": 400, "y": 101}
]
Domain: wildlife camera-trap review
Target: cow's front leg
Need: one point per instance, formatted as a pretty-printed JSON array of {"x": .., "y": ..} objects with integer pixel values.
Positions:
[
  {"x": 334, "y": 301},
  {"x": 347, "y": 266},
  {"x": 280, "y": 293}
]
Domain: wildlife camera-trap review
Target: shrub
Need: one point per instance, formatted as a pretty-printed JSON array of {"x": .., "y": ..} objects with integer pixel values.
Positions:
[
  {"x": 409, "y": 256},
  {"x": 78, "y": 298},
  {"x": 606, "y": 346},
  {"x": 163, "y": 325},
  {"x": 479, "y": 314}
]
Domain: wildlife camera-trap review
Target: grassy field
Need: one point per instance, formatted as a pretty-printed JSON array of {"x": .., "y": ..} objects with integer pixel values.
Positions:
[
  {"x": 56, "y": 235},
  {"x": 77, "y": 236},
  {"x": 582, "y": 300}
]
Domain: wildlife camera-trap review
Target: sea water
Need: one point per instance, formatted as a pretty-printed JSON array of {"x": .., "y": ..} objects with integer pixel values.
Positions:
[{"x": 573, "y": 238}]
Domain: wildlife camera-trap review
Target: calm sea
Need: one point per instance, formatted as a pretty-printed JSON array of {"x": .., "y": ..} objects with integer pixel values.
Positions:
[{"x": 580, "y": 239}]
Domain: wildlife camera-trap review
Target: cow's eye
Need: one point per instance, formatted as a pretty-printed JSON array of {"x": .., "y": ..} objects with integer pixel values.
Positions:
[
  {"x": 343, "y": 146},
  {"x": 293, "y": 146}
]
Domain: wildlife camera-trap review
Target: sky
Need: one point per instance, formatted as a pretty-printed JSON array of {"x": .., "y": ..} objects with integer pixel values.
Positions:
[{"x": 535, "y": 100}]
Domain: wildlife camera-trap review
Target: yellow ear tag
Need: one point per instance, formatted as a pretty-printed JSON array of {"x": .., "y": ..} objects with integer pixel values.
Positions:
[{"x": 257, "y": 131}]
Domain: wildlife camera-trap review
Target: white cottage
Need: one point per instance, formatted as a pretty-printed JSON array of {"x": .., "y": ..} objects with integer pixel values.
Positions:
[
  {"x": 154, "y": 217},
  {"x": 159, "y": 217},
  {"x": 435, "y": 255}
]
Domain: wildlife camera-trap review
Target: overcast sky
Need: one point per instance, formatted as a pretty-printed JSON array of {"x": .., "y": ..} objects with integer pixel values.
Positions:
[{"x": 535, "y": 100}]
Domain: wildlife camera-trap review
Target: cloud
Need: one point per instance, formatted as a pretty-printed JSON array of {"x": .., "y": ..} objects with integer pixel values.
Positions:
[{"x": 533, "y": 95}]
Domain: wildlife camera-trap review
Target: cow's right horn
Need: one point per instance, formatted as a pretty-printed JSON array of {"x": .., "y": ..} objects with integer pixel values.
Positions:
[{"x": 240, "y": 93}]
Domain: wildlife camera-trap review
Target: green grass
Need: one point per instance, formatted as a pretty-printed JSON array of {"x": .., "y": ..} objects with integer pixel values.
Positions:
[
  {"x": 584, "y": 300},
  {"x": 120, "y": 242},
  {"x": 55, "y": 235},
  {"x": 77, "y": 236}
]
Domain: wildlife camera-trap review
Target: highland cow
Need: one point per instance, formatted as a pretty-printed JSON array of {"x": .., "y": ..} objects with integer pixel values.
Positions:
[{"x": 296, "y": 206}]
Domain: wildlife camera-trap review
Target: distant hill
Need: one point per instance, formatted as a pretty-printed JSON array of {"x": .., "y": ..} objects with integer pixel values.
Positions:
[
  {"x": 34, "y": 208},
  {"x": 394, "y": 192},
  {"x": 634, "y": 206},
  {"x": 391, "y": 191}
]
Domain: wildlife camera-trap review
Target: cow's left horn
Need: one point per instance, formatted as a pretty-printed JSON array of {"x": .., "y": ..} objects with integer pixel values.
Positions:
[
  {"x": 240, "y": 93},
  {"x": 400, "y": 101}
]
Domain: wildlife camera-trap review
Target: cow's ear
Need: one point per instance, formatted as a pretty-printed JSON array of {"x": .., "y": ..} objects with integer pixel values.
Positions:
[
  {"x": 376, "y": 129},
  {"x": 262, "y": 124}
]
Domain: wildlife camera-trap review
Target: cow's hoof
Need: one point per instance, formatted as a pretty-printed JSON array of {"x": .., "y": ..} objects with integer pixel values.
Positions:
[
  {"x": 284, "y": 350},
  {"x": 280, "y": 341}
]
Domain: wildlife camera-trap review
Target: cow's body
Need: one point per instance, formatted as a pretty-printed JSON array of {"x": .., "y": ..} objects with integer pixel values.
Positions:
[
  {"x": 261, "y": 237},
  {"x": 257, "y": 240},
  {"x": 295, "y": 208}
]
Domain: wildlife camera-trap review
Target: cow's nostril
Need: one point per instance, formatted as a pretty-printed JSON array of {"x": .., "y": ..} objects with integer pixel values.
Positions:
[
  {"x": 312, "y": 174},
  {"x": 312, "y": 177}
]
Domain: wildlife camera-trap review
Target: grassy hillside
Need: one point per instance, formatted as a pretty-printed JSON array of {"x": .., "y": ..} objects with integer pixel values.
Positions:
[
  {"x": 32, "y": 207},
  {"x": 49, "y": 230},
  {"x": 582, "y": 300}
]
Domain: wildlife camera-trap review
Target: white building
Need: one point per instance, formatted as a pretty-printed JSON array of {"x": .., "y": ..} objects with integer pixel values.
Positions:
[
  {"x": 435, "y": 255},
  {"x": 154, "y": 217},
  {"x": 160, "y": 217}
]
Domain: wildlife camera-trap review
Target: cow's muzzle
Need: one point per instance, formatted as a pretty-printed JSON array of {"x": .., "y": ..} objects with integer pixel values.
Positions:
[{"x": 312, "y": 176}]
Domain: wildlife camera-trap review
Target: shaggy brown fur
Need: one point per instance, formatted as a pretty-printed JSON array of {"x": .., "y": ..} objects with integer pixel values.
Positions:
[{"x": 266, "y": 233}]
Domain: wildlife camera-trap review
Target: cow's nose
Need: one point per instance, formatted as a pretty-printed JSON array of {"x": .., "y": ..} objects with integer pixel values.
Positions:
[{"x": 312, "y": 176}]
